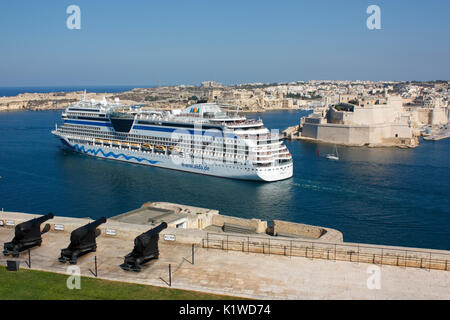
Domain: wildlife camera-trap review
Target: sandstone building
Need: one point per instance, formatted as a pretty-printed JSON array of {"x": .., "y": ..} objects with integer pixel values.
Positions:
[{"x": 375, "y": 125}]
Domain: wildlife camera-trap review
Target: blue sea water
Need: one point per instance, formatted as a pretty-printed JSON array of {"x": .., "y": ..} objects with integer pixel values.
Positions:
[{"x": 381, "y": 196}]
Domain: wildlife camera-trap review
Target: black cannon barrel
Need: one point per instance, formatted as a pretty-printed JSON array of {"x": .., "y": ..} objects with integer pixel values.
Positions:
[
  {"x": 86, "y": 230},
  {"x": 33, "y": 223},
  {"x": 155, "y": 230},
  {"x": 36, "y": 221},
  {"x": 96, "y": 223},
  {"x": 44, "y": 218},
  {"x": 31, "y": 229}
]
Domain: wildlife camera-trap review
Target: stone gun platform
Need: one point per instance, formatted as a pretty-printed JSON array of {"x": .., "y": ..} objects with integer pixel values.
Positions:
[{"x": 243, "y": 274}]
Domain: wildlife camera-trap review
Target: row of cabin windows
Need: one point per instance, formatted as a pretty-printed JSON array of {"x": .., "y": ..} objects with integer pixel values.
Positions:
[
  {"x": 195, "y": 147},
  {"x": 146, "y": 139}
]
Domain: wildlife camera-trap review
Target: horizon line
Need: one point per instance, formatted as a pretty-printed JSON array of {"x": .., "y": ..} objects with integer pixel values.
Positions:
[{"x": 233, "y": 84}]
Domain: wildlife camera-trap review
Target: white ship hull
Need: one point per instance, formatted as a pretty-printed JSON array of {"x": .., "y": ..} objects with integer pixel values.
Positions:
[{"x": 174, "y": 162}]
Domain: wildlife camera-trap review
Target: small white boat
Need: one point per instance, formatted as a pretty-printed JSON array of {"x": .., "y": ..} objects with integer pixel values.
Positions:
[{"x": 334, "y": 156}]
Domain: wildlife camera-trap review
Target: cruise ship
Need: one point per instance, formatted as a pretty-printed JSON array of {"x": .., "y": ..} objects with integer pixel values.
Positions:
[{"x": 205, "y": 138}]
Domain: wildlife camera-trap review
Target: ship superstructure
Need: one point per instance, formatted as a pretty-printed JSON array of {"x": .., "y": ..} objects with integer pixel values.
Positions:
[{"x": 204, "y": 138}]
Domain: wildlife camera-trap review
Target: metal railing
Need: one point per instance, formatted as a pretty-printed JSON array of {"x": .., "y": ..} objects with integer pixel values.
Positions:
[{"x": 329, "y": 251}]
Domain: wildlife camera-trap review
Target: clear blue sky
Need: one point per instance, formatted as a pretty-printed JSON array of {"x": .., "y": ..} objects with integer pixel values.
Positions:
[{"x": 186, "y": 42}]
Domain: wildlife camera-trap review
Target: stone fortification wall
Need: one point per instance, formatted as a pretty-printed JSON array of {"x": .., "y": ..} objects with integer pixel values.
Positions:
[
  {"x": 284, "y": 228},
  {"x": 356, "y": 135},
  {"x": 303, "y": 230},
  {"x": 256, "y": 224}
]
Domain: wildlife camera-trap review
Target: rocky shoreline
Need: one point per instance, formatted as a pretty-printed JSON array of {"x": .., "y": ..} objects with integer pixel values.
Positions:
[
  {"x": 159, "y": 98},
  {"x": 44, "y": 101}
]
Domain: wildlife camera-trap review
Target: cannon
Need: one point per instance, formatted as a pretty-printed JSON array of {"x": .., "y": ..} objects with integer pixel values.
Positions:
[
  {"x": 27, "y": 234},
  {"x": 145, "y": 249},
  {"x": 82, "y": 241}
]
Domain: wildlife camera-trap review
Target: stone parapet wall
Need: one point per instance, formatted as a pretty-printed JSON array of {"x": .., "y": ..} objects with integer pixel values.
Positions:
[
  {"x": 260, "y": 226},
  {"x": 197, "y": 218},
  {"x": 298, "y": 229},
  {"x": 283, "y": 228}
]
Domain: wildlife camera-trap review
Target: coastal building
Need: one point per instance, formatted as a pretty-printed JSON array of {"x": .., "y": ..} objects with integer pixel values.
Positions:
[
  {"x": 429, "y": 111},
  {"x": 375, "y": 125},
  {"x": 288, "y": 103},
  {"x": 211, "y": 84},
  {"x": 346, "y": 98}
]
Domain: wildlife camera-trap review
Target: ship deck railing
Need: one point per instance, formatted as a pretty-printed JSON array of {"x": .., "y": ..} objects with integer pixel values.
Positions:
[{"x": 265, "y": 137}]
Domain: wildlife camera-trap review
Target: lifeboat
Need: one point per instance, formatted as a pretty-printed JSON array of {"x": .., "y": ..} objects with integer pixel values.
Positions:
[{"x": 173, "y": 150}]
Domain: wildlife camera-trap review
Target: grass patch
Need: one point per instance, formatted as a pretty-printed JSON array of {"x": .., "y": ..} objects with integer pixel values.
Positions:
[{"x": 39, "y": 285}]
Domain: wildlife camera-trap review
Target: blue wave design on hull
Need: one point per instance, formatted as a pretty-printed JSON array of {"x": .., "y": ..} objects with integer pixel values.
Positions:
[{"x": 109, "y": 154}]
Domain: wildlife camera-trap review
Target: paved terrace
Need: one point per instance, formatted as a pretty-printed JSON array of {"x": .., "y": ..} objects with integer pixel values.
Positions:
[{"x": 252, "y": 275}]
